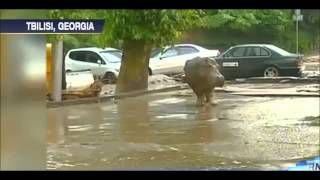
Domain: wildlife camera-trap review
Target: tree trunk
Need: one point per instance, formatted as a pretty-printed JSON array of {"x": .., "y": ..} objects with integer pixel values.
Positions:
[{"x": 134, "y": 71}]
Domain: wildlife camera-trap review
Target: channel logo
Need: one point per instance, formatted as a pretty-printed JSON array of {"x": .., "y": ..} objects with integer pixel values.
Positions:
[{"x": 307, "y": 165}]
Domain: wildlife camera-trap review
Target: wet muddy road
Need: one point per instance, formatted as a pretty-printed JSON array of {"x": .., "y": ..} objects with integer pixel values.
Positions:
[{"x": 166, "y": 131}]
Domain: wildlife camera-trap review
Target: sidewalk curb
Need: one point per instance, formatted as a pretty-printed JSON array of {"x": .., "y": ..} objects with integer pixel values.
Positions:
[
  {"x": 258, "y": 80},
  {"x": 106, "y": 98},
  {"x": 276, "y": 95}
]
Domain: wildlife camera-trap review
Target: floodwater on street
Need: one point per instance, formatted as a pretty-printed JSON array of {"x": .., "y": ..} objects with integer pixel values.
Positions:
[{"x": 166, "y": 131}]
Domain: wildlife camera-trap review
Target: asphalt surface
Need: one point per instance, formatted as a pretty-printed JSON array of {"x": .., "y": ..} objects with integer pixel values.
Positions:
[{"x": 167, "y": 131}]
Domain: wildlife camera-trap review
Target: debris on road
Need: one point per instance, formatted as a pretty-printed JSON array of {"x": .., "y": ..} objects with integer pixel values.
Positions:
[
  {"x": 312, "y": 59},
  {"x": 158, "y": 81},
  {"x": 92, "y": 91}
]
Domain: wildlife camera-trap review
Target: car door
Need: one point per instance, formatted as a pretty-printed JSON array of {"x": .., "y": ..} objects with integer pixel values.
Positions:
[
  {"x": 253, "y": 62},
  {"x": 173, "y": 59},
  {"x": 165, "y": 63},
  {"x": 185, "y": 53},
  {"x": 95, "y": 63},
  {"x": 231, "y": 62},
  {"x": 77, "y": 61}
]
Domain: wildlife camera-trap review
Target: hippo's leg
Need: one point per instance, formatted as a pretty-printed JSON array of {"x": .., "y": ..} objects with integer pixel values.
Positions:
[
  {"x": 200, "y": 99},
  {"x": 210, "y": 98}
]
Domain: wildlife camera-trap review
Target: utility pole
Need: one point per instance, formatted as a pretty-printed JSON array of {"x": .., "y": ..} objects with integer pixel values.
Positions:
[
  {"x": 297, "y": 17},
  {"x": 57, "y": 49},
  {"x": 297, "y": 36}
]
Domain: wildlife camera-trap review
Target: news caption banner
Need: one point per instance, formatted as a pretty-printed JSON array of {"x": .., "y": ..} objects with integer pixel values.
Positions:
[{"x": 50, "y": 26}]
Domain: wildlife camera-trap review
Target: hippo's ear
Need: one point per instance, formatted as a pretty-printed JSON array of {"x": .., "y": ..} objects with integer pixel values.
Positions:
[
  {"x": 212, "y": 62},
  {"x": 185, "y": 65},
  {"x": 187, "y": 62},
  {"x": 209, "y": 61}
]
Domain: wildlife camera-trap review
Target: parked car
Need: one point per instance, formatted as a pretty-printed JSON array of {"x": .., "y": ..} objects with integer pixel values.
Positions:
[
  {"x": 256, "y": 60},
  {"x": 172, "y": 59},
  {"x": 103, "y": 63}
]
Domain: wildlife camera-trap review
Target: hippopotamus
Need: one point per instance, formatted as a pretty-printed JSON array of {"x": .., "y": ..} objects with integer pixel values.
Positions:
[{"x": 203, "y": 75}]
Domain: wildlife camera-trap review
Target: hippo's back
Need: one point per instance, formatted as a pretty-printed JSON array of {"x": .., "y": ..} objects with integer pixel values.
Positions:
[{"x": 197, "y": 74}]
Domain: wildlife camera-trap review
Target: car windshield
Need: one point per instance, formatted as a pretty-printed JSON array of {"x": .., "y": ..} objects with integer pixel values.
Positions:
[
  {"x": 112, "y": 56},
  {"x": 155, "y": 52},
  {"x": 278, "y": 50}
]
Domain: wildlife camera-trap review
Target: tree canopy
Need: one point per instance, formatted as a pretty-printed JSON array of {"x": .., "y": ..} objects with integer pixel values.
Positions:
[
  {"x": 163, "y": 27},
  {"x": 159, "y": 27},
  {"x": 137, "y": 31},
  {"x": 244, "y": 20}
]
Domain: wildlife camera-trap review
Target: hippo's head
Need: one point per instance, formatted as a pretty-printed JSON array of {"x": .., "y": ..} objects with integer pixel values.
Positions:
[
  {"x": 212, "y": 67},
  {"x": 204, "y": 70}
]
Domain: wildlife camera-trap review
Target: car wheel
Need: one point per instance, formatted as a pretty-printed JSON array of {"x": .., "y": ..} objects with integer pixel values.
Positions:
[
  {"x": 271, "y": 72},
  {"x": 109, "y": 78}
]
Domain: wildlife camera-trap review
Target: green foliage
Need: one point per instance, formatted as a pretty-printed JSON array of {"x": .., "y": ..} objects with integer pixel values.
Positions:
[
  {"x": 309, "y": 29},
  {"x": 234, "y": 19},
  {"x": 244, "y": 20},
  {"x": 257, "y": 26},
  {"x": 158, "y": 27},
  {"x": 162, "y": 27},
  {"x": 75, "y": 40}
]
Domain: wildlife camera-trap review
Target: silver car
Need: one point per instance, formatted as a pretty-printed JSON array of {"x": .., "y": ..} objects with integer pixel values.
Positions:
[
  {"x": 103, "y": 63},
  {"x": 172, "y": 59}
]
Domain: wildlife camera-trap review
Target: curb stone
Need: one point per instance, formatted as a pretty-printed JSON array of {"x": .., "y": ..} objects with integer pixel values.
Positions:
[
  {"x": 277, "y": 95},
  {"x": 105, "y": 98},
  {"x": 314, "y": 79}
]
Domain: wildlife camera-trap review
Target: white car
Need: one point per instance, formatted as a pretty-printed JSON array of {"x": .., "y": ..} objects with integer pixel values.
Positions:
[
  {"x": 103, "y": 63},
  {"x": 173, "y": 58}
]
